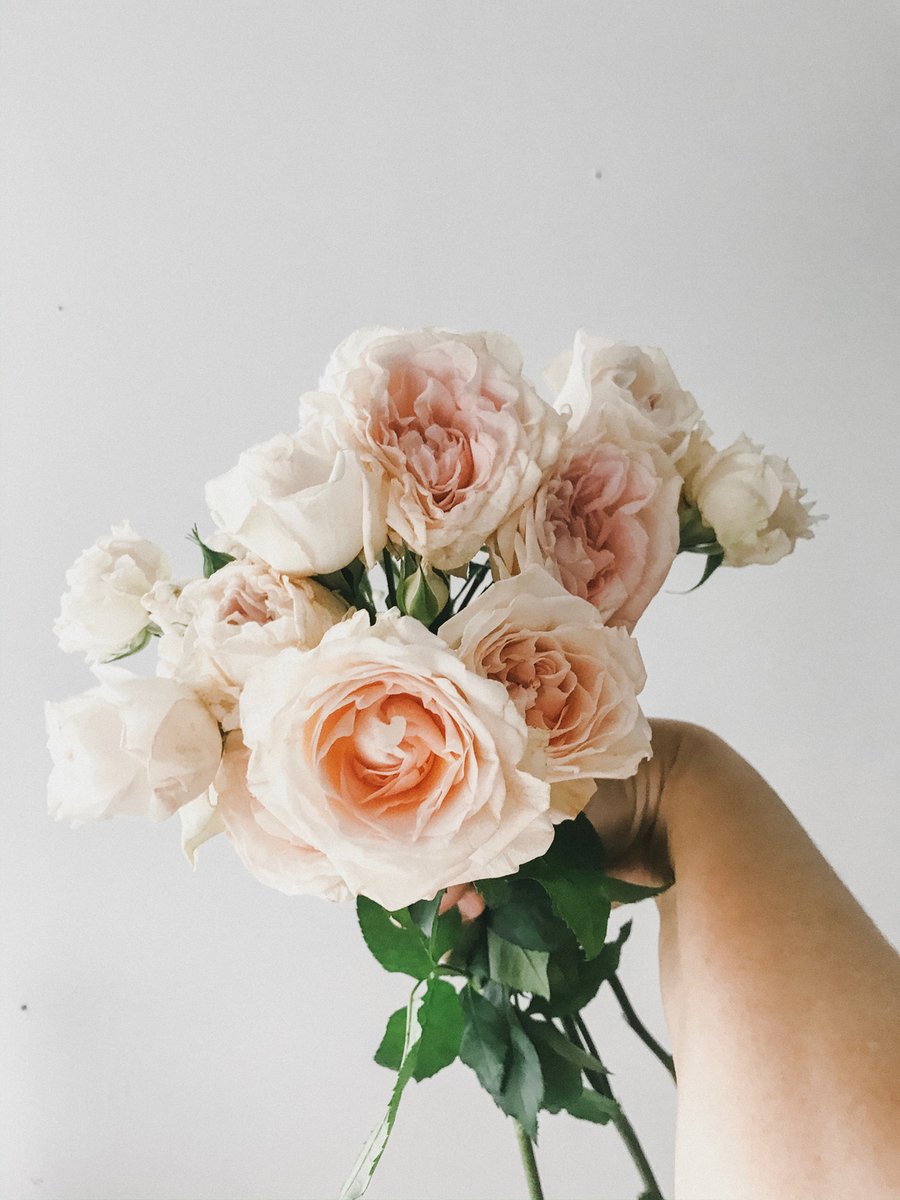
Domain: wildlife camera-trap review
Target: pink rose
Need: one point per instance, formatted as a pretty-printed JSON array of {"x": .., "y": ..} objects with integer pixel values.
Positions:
[
  {"x": 604, "y": 521},
  {"x": 574, "y": 680},
  {"x": 452, "y": 437},
  {"x": 383, "y": 751}
]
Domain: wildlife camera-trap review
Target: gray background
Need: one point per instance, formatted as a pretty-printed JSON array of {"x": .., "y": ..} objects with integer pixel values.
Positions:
[{"x": 200, "y": 200}]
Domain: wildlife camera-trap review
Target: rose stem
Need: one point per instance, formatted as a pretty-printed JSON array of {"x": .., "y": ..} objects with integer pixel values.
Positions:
[
  {"x": 535, "y": 1192},
  {"x": 578, "y": 1033},
  {"x": 472, "y": 585},
  {"x": 389, "y": 572},
  {"x": 639, "y": 1028}
]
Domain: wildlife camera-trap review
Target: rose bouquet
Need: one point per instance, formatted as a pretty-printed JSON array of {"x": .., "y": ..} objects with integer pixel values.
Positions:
[{"x": 406, "y": 663}]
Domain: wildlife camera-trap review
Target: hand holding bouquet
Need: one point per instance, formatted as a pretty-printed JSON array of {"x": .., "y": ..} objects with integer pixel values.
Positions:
[{"x": 407, "y": 664}]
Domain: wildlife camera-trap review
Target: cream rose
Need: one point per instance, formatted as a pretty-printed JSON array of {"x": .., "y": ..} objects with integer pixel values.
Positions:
[
  {"x": 296, "y": 501},
  {"x": 383, "y": 751},
  {"x": 102, "y": 614},
  {"x": 604, "y": 521},
  {"x": 753, "y": 501},
  {"x": 450, "y": 433},
  {"x": 131, "y": 745},
  {"x": 243, "y": 613},
  {"x": 637, "y": 380},
  {"x": 269, "y": 851},
  {"x": 574, "y": 680}
]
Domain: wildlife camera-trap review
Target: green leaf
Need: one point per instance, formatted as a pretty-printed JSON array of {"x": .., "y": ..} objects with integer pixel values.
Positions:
[
  {"x": 571, "y": 872},
  {"x": 422, "y": 594},
  {"x": 390, "y": 1051},
  {"x": 526, "y": 917},
  {"x": 519, "y": 968},
  {"x": 213, "y": 560},
  {"x": 485, "y": 1043},
  {"x": 562, "y": 1047},
  {"x": 695, "y": 535},
  {"x": 424, "y": 912},
  {"x": 371, "y": 1153},
  {"x": 441, "y": 1022},
  {"x": 523, "y": 1087},
  {"x": 393, "y": 939},
  {"x": 628, "y": 893},
  {"x": 590, "y": 1106},
  {"x": 494, "y": 891},
  {"x": 561, "y": 1076}
]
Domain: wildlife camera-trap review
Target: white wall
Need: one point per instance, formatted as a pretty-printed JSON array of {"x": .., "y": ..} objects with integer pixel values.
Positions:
[{"x": 201, "y": 199}]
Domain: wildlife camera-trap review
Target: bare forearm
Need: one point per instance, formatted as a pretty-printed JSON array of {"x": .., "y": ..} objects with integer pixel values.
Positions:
[{"x": 781, "y": 996}]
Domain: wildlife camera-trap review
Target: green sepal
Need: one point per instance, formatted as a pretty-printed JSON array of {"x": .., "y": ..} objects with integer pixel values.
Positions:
[
  {"x": 394, "y": 939},
  {"x": 713, "y": 562},
  {"x": 213, "y": 560},
  {"x": 138, "y": 642}
]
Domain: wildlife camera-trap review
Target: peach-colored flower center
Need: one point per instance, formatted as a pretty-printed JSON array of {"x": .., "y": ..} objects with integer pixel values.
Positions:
[
  {"x": 241, "y": 606},
  {"x": 537, "y": 676},
  {"x": 388, "y": 748}
]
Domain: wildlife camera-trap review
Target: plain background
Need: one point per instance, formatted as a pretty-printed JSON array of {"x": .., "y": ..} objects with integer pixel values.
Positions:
[{"x": 200, "y": 199}]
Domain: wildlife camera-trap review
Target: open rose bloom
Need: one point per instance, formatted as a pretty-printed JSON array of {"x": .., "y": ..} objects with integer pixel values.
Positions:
[{"x": 410, "y": 654}]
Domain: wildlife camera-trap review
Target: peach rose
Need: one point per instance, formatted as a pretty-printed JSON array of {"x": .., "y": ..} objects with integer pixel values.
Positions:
[
  {"x": 243, "y": 613},
  {"x": 450, "y": 433},
  {"x": 383, "y": 751},
  {"x": 635, "y": 379},
  {"x": 604, "y": 521},
  {"x": 574, "y": 680}
]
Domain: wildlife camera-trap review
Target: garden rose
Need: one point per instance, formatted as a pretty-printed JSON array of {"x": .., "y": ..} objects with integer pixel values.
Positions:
[
  {"x": 636, "y": 379},
  {"x": 131, "y": 745},
  {"x": 753, "y": 501},
  {"x": 383, "y": 751},
  {"x": 604, "y": 521},
  {"x": 574, "y": 680},
  {"x": 243, "y": 613},
  {"x": 102, "y": 614},
  {"x": 269, "y": 851},
  {"x": 450, "y": 433},
  {"x": 296, "y": 501}
]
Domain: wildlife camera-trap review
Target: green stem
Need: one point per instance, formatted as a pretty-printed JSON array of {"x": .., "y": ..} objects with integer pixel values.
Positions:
[
  {"x": 389, "y": 572},
  {"x": 535, "y": 1191},
  {"x": 636, "y": 1024},
  {"x": 472, "y": 585},
  {"x": 623, "y": 1126}
]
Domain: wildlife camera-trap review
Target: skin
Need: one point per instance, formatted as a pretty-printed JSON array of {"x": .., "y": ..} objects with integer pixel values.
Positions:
[{"x": 781, "y": 997}]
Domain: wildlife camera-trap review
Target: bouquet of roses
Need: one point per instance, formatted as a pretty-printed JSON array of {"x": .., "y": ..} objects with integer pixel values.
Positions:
[{"x": 406, "y": 664}]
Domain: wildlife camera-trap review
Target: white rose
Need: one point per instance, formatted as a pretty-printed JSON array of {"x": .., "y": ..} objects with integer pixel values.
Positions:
[
  {"x": 752, "y": 501},
  {"x": 297, "y": 500},
  {"x": 574, "y": 679},
  {"x": 405, "y": 769},
  {"x": 135, "y": 746},
  {"x": 243, "y": 613},
  {"x": 102, "y": 614},
  {"x": 451, "y": 435},
  {"x": 636, "y": 379}
]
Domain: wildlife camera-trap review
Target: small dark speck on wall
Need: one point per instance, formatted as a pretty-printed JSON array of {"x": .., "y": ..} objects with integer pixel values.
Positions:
[
  {"x": 598, "y": 174},
  {"x": 59, "y": 308},
  {"x": 23, "y": 1008}
]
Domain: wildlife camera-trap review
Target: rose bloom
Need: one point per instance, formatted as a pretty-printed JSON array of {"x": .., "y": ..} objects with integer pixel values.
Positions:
[
  {"x": 752, "y": 500},
  {"x": 573, "y": 679},
  {"x": 132, "y": 745},
  {"x": 604, "y": 521},
  {"x": 636, "y": 379},
  {"x": 243, "y": 613},
  {"x": 383, "y": 751},
  {"x": 296, "y": 501},
  {"x": 269, "y": 851},
  {"x": 102, "y": 614},
  {"x": 451, "y": 435}
]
